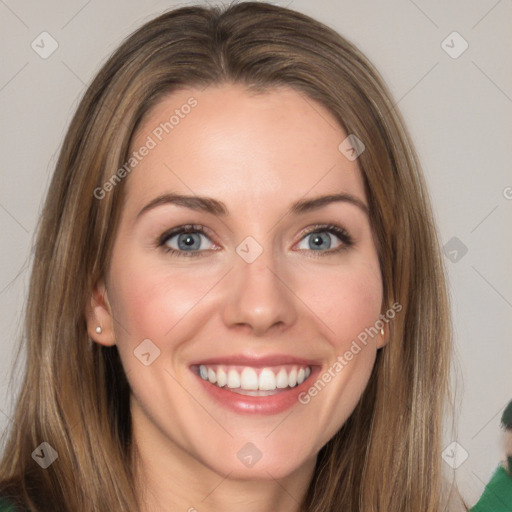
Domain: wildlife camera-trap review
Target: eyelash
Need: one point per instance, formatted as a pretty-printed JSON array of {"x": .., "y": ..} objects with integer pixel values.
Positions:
[{"x": 341, "y": 233}]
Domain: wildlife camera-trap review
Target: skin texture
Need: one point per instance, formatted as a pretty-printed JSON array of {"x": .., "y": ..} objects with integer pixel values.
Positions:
[{"x": 258, "y": 155}]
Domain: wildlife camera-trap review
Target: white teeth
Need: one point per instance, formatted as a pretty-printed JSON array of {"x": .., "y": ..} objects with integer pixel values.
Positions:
[
  {"x": 292, "y": 377},
  {"x": 249, "y": 379},
  {"x": 269, "y": 379},
  {"x": 282, "y": 379},
  {"x": 222, "y": 378},
  {"x": 233, "y": 379}
]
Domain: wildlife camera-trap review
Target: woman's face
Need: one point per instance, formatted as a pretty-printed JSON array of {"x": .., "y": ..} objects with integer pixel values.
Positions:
[{"x": 218, "y": 324}]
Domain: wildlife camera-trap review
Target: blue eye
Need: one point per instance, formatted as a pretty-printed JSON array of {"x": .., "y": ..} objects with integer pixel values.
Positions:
[
  {"x": 187, "y": 237},
  {"x": 320, "y": 240},
  {"x": 189, "y": 240}
]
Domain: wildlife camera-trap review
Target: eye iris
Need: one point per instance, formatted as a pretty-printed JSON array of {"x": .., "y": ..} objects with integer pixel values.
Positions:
[
  {"x": 186, "y": 241},
  {"x": 317, "y": 240}
]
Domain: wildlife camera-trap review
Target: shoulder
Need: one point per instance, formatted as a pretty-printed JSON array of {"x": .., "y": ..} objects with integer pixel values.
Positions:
[
  {"x": 497, "y": 495},
  {"x": 6, "y": 506},
  {"x": 9, "y": 504}
]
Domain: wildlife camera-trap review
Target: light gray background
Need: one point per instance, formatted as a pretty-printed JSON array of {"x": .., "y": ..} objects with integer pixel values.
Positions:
[{"x": 458, "y": 111}]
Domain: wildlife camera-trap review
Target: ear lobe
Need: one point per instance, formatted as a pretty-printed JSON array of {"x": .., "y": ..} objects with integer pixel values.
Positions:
[
  {"x": 99, "y": 314},
  {"x": 383, "y": 338}
]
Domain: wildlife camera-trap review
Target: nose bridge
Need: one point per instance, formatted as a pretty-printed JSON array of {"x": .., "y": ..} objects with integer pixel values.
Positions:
[{"x": 258, "y": 293}]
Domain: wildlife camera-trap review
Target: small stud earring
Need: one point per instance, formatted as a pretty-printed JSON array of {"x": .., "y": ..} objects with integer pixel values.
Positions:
[
  {"x": 99, "y": 329},
  {"x": 382, "y": 331}
]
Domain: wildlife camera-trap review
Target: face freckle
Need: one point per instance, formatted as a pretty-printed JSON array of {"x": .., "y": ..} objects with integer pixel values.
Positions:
[{"x": 266, "y": 284}]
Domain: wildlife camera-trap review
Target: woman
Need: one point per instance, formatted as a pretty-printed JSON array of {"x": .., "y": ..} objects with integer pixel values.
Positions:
[{"x": 258, "y": 370}]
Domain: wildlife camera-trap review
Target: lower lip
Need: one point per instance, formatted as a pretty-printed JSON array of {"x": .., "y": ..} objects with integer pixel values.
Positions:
[{"x": 272, "y": 404}]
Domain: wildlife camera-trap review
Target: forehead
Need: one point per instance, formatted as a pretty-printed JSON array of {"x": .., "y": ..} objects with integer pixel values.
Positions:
[{"x": 229, "y": 143}]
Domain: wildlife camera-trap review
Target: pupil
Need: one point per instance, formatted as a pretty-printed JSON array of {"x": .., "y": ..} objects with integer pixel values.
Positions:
[
  {"x": 317, "y": 240},
  {"x": 187, "y": 241}
]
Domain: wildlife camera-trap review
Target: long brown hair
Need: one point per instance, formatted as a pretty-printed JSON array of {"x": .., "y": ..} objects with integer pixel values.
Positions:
[{"x": 387, "y": 456}]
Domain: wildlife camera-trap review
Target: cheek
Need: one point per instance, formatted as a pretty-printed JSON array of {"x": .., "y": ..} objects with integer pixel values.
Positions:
[
  {"x": 151, "y": 297},
  {"x": 347, "y": 300},
  {"x": 150, "y": 300}
]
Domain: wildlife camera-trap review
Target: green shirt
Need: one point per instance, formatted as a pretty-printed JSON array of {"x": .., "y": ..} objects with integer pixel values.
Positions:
[
  {"x": 497, "y": 495},
  {"x": 5, "y": 506}
]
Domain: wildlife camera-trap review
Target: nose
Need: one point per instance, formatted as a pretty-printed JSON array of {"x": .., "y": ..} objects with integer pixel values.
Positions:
[{"x": 259, "y": 296}]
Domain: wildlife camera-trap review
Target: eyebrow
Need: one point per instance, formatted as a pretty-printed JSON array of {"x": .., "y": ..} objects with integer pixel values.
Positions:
[{"x": 219, "y": 209}]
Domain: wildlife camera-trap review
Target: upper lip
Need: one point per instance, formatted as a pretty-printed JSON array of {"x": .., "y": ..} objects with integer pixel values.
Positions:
[{"x": 257, "y": 361}]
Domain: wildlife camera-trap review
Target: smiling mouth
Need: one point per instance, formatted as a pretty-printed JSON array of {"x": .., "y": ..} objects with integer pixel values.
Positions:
[{"x": 251, "y": 381}]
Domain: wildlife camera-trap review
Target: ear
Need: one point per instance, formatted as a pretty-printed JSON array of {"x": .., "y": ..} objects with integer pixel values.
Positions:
[
  {"x": 98, "y": 313},
  {"x": 382, "y": 339}
]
